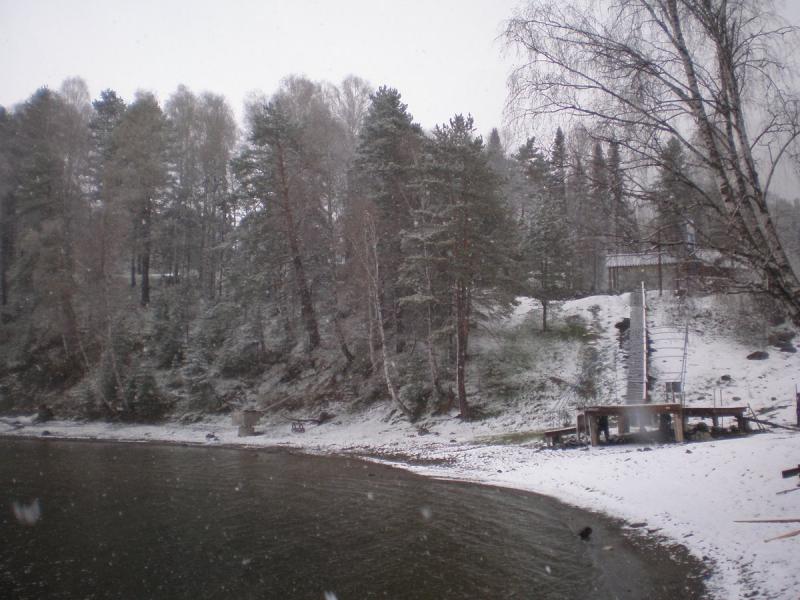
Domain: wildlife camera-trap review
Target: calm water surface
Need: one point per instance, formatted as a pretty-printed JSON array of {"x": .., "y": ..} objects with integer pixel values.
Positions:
[{"x": 144, "y": 521}]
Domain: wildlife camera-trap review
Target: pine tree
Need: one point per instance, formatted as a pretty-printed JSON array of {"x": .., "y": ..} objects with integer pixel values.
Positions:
[
  {"x": 676, "y": 199},
  {"x": 49, "y": 166},
  {"x": 473, "y": 234},
  {"x": 548, "y": 246},
  {"x": 558, "y": 167},
  {"x": 108, "y": 112},
  {"x": 141, "y": 162},
  {"x": 623, "y": 232},
  {"x": 599, "y": 204},
  {"x": 274, "y": 167},
  {"x": 7, "y": 204},
  {"x": 386, "y": 173}
]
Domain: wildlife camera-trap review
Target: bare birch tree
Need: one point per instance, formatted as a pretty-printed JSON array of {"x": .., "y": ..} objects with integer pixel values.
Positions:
[
  {"x": 708, "y": 72},
  {"x": 370, "y": 258}
]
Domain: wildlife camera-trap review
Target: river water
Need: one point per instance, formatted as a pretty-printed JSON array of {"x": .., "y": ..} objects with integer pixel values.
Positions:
[{"x": 97, "y": 520}]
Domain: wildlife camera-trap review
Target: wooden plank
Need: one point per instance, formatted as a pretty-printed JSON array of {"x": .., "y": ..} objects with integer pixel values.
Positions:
[
  {"x": 773, "y": 424},
  {"x": 631, "y": 409},
  {"x": 791, "y": 472},
  {"x": 714, "y": 411},
  {"x": 768, "y": 521},
  {"x": 560, "y": 432},
  {"x": 784, "y": 536}
]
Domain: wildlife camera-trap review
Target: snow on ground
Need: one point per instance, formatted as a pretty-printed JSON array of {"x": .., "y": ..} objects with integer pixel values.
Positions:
[
  {"x": 689, "y": 493},
  {"x": 718, "y": 370}
]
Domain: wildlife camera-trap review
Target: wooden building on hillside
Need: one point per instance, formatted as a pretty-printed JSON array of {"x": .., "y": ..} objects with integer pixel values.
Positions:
[{"x": 706, "y": 270}]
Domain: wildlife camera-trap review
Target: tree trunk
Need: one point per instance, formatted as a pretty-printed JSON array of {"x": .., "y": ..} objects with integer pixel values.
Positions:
[
  {"x": 303, "y": 291},
  {"x": 433, "y": 365},
  {"x": 145, "y": 297},
  {"x": 738, "y": 183},
  {"x": 371, "y": 332},
  {"x": 372, "y": 264},
  {"x": 462, "y": 339},
  {"x": 6, "y": 244},
  {"x": 391, "y": 386},
  {"x": 546, "y": 284},
  {"x": 545, "y": 304},
  {"x": 133, "y": 268},
  {"x": 145, "y": 255},
  {"x": 337, "y": 322}
]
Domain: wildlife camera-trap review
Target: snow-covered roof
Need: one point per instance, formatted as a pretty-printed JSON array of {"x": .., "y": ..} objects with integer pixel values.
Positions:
[{"x": 639, "y": 259}]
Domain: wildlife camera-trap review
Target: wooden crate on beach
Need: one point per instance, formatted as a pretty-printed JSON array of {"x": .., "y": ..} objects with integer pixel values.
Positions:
[{"x": 247, "y": 420}]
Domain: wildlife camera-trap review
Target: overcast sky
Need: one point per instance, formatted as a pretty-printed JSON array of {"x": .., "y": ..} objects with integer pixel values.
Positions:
[{"x": 443, "y": 55}]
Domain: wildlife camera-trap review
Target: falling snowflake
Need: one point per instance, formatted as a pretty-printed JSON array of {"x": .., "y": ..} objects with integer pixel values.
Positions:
[{"x": 27, "y": 514}]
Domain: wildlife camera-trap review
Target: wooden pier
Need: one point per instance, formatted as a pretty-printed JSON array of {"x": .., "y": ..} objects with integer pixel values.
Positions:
[
  {"x": 627, "y": 413},
  {"x": 637, "y": 410}
]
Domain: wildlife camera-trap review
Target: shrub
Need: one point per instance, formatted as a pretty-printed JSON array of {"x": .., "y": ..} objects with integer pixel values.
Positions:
[{"x": 143, "y": 400}]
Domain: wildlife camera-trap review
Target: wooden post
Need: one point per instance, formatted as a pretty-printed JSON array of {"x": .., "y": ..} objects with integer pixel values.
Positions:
[
  {"x": 677, "y": 420},
  {"x": 622, "y": 424},
  {"x": 594, "y": 434},
  {"x": 715, "y": 420},
  {"x": 744, "y": 426}
]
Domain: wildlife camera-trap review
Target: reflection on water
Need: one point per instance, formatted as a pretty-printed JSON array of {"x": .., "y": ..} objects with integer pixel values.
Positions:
[{"x": 130, "y": 521}]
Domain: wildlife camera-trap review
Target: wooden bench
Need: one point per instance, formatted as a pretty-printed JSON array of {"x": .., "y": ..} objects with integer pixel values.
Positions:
[{"x": 553, "y": 436}]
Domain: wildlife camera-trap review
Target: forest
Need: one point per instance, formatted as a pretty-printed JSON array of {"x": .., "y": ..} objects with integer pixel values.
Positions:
[{"x": 158, "y": 259}]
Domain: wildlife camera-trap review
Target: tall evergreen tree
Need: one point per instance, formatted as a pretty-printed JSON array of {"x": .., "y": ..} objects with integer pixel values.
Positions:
[
  {"x": 474, "y": 231},
  {"x": 108, "y": 112},
  {"x": 686, "y": 210},
  {"x": 558, "y": 168},
  {"x": 548, "y": 248},
  {"x": 623, "y": 228},
  {"x": 49, "y": 165},
  {"x": 600, "y": 221},
  {"x": 274, "y": 167},
  {"x": 142, "y": 165},
  {"x": 386, "y": 173},
  {"x": 7, "y": 204}
]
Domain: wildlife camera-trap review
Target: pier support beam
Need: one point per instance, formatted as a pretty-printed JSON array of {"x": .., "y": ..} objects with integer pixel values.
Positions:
[
  {"x": 594, "y": 434},
  {"x": 679, "y": 425},
  {"x": 622, "y": 425}
]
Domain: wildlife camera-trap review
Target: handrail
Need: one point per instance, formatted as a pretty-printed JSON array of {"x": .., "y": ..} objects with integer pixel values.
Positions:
[{"x": 644, "y": 344}]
